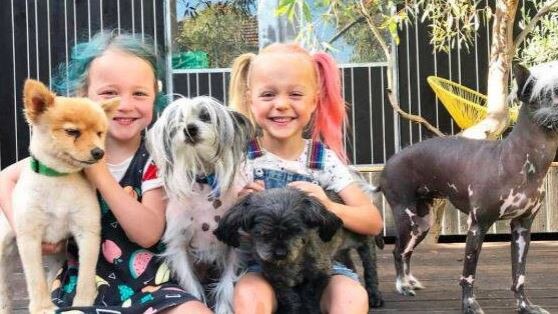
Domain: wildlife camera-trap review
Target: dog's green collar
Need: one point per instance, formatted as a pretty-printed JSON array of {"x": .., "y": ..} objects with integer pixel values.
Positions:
[{"x": 41, "y": 168}]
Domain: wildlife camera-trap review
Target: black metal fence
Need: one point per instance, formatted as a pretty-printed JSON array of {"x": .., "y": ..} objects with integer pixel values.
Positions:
[{"x": 37, "y": 36}]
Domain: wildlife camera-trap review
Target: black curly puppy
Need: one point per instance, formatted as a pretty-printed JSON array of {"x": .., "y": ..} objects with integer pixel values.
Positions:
[
  {"x": 488, "y": 180},
  {"x": 294, "y": 239}
]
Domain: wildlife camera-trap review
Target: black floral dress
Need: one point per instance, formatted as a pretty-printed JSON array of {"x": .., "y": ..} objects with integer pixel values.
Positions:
[{"x": 130, "y": 279}]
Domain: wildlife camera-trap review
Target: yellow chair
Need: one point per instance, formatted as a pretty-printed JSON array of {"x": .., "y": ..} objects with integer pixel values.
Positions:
[{"x": 466, "y": 106}]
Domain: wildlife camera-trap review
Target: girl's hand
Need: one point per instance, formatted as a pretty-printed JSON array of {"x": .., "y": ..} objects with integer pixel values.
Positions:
[
  {"x": 53, "y": 248},
  {"x": 312, "y": 190},
  {"x": 95, "y": 172},
  {"x": 252, "y": 187}
]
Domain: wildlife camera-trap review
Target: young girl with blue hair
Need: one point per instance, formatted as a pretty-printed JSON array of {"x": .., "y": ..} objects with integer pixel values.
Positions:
[{"x": 130, "y": 276}]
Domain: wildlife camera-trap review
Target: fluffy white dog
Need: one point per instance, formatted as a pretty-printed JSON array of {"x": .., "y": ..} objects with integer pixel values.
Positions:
[
  {"x": 199, "y": 147},
  {"x": 52, "y": 198}
]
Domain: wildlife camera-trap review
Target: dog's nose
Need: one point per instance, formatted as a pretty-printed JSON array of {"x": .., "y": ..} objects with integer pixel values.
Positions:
[
  {"x": 280, "y": 253},
  {"x": 97, "y": 153},
  {"x": 191, "y": 130}
]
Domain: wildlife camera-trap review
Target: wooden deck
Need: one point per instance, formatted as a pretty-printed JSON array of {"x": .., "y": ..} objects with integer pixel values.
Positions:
[{"x": 439, "y": 267}]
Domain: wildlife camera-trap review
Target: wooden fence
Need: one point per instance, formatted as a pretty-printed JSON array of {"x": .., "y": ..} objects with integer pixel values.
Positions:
[{"x": 455, "y": 222}]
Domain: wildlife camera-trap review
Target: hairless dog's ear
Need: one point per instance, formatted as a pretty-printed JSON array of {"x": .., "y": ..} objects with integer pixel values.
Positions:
[
  {"x": 316, "y": 215},
  {"x": 239, "y": 216},
  {"x": 524, "y": 82}
]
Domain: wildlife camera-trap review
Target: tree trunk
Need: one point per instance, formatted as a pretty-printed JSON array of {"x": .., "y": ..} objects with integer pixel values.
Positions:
[{"x": 501, "y": 54}]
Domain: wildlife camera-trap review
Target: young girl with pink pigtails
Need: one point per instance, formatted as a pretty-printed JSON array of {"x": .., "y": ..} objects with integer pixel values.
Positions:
[{"x": 289, "y": 93}]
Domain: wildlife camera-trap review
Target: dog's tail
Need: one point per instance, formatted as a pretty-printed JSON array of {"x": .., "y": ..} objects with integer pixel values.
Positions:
[{"x": 379, "y": 241}]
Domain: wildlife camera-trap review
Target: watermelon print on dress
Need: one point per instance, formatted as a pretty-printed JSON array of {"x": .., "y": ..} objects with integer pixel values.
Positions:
[
  {"x": 111, "y": 252},
  {"x": 139, "y": 261}
]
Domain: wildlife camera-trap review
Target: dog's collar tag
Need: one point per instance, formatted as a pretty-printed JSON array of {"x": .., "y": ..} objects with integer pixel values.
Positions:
[
  {"x": 211, "y": 181},
  {"x": 40, "y": 168}
]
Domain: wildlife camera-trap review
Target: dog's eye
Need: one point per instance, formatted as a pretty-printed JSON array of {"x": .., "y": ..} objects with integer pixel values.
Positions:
[
  {"x": 73, "y": 132},
  {"x": 204, "y": 116},
  {"x": 99, "y": 134},
  {"x": 257, "y": 234}
]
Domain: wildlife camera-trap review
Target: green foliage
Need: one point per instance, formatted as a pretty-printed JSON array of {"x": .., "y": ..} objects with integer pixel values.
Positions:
[
  {"x": 365, "y": 46},
  {"x": 193, "y": 7},
  {"x": 220, "y": 31},
  {"x": 452, "y": 23},
  {"x": 541, "y": 45},
  {"x": 346, "y": 18}
]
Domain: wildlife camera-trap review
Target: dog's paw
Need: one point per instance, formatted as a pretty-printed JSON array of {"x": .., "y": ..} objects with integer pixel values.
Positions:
[
  {"x": 407, "y": 291},
  {"x": 471, "y": 306},
  {"x": 415, "y": 284},
  {"x": 404, "y": 287},
  {"x": 531, "y": 309},
  {"x": 376, "y": 300},
  {"x": 5, "y": 309},
  {"x": 83, "y": 301},
  {"x": 44, "y": 310}
]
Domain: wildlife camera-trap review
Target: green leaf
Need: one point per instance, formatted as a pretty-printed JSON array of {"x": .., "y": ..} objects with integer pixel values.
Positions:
[
  {"x": 281, "y": 10},
  {"x": 307, "y": 12},
  {"x": 284, "y": 7},
  {"x": 291, "y": 11}
]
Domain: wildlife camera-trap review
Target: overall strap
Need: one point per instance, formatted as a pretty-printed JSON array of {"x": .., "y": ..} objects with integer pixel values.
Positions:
[
  {"x": 134, "y": 173},
  {"x": 254, "y": 149},
  {"x": 132, "y": 178},
  {"x": 316, "y": 155}
]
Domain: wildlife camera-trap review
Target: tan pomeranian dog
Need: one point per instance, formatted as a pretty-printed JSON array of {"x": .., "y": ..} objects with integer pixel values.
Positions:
[{"x": 52, "y": 199}]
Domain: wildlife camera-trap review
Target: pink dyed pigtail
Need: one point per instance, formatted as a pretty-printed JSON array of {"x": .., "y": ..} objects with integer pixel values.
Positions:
[{"x": 330, "y": 111}]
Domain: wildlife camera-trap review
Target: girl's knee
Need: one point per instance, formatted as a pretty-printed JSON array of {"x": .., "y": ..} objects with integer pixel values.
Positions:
[
  {"x": 253, "y": 294},
  {"x": 344, "y": 295}
]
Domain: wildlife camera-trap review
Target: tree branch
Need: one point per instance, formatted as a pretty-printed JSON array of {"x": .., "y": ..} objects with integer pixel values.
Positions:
[
  {"x": 345, "y": 29},
  {"x": 418, "y": 119},
  {"x": 374, "y": 29},
  {"x": 547, "y": 8}
]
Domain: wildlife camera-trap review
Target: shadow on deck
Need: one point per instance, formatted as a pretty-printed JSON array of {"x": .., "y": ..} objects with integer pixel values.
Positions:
[{"x": 439, "y": 267}]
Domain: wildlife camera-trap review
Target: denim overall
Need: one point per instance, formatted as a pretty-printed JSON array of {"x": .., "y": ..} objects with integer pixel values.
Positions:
[{"x": 280, "y": 178}]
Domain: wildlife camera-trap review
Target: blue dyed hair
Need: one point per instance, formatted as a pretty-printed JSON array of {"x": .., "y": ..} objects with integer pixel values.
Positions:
[{"x": 72, "y": 79}]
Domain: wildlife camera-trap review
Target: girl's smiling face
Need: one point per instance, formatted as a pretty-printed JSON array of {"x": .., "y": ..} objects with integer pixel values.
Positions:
[
  {"x": 282, "y": 93},
  {"x": 119, "y": 74}
]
